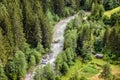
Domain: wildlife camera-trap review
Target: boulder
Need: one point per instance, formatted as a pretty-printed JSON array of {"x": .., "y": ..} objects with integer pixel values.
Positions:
[{"x": 100, "y": 56}]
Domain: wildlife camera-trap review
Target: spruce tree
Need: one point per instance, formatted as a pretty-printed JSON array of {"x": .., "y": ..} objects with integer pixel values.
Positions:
[
  {"x": 106, "y": 73},
  {"x": 20, "y": 64},
  {"x": 2, "y": 72},
  {"x": 59, "y": 6},
  {"x": 64, "y": 68},
  {"x": 19, "y": 37}
]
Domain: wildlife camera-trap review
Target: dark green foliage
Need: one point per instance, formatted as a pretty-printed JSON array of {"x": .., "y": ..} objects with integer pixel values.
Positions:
[
  {"x": 106, "y": 20},
  {"x": 101, "y": 10},
  {"x": 20, "y": 64},
  {"x": 106, "y": 73},
  {"x": 37, "y": 55},
  {"x": 18, "y": 35},
  {"x": 98, "y": 45},
  {"x": 40, "y": 48},
  {"x": 115, "y": 17},
  {"x": 37, "y": 27},
  {"x": 113, "y": 41},
  {"x": 6, "y": 32},
  {"x": 86, "y": 51},
  {"x": 59, "y": 7},
  {"x": 45, "y": 73},
  {"x": 75, "y": 76},
  {"x": 87, "y": 5},
  {"x": 26, "y": 33},
  {"x": 11, "y": 70},
  {"x": 32, "y": 62},
  {"x": 106, "y": 36},
  {"x": 2, "y": 73},
  {"x": 65, "y": 60},
  {"x": 83, "y": 78},
  {"x": 110, "y": 4},
  {"x": 97, "y": 11},
  {"x": 47, "y": 4},
  {"x": 16, "y": 68},
  {"x": 64, "y": 68},
  {"x": 70, "y": 39}
]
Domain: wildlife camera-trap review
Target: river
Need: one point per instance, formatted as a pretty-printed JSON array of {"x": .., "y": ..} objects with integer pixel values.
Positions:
[{"x": 56, "y": 46}]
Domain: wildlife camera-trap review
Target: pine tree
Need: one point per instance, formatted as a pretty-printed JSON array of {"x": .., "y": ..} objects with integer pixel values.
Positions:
[
  {"x": 2, "y": 73},
  {"x": 106, "y": 37},
  {"x": 45, "y": 26},
  {"x": 64, "y": 68},
  {"x": 48, "y": 73},
  {"x": 93, "y": 9},
  {"x": 19, "y": 38},
  {"x": 58, "y": 7},
  {"x": 37, "y": 55},
  {"x": 7, "y": 29},
  {"x": 10, "y": 70},
  {"x": 32, "y": 62},
  {"x": 75, "y": 76},
  {"x": 28, "y": 22},
  {"x": 3, "y": 52},
  {"x": 106, "y": 73},
  {"x": 20, "y": 64},
  {"x": 101, "y": 10}
]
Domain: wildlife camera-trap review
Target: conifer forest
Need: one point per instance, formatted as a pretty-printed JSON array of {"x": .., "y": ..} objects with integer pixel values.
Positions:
[{"x": 59, "y": 39}]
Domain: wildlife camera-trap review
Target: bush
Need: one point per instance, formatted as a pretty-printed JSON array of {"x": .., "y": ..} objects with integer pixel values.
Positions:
[
  {"x": 2, "y": 73},
  {"x": 56, "y": 18},
  {"x": 64, "y": 60},
  {"x": 83, "y": 78},
  {"x": 68, "y": 11},
  {"x": 90, "y": 70},
  {"x": 87, "y": 57},
  {"x": 20, "y": 64},
  {"x": 44, "y": 73},
  {"x": 106, "y": 73},
  {"x": 64, "y": 68},
  {"x": 10, "y": 70},
  {"x": 32, "y": 62},
  {"x": 106, "y": 20},
  {"x": 40, "y": 48},
  {"x": 37, "y": 55}
]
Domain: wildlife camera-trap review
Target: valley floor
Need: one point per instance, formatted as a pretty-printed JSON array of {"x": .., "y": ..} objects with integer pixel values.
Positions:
[{"x": 90, "y": 70}]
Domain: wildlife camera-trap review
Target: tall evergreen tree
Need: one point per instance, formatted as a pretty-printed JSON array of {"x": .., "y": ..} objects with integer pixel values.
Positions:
[
  {"x": 19, "y": 38},
  {"x": 2, "y": 73},
  {"x": 59, "y": 6},
  {"x": 20, "y": 64}
]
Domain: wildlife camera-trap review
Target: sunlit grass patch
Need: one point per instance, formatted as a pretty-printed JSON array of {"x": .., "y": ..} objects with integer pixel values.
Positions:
[
  {"x": 82, "y": 69},
  {"x": 110, "y": 12}
]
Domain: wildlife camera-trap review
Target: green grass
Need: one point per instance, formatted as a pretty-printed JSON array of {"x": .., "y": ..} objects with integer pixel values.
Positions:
[
  {"x": 89, "y": 69},
  {"x": 82, "y": 70},
  {"x": 99, "y": 62},
  {"x": 110, "y": 12}
]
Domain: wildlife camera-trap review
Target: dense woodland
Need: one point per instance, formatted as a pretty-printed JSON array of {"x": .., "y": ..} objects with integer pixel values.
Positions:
[{"x": 26, "y": 28}]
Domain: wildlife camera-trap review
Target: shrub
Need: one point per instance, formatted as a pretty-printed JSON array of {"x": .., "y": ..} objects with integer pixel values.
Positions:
[
  {"x": 37, "y": 55},
  {"x": 83, "y": 78},
  {"x": 20, "y": 64},
  {"x": 106, "y": 73},
  {"x": 2, "y": 73},
  {"x": 32, "y": 62},
  {"x": 90, "y": 69},
  {"x": 44, "y": 73}
]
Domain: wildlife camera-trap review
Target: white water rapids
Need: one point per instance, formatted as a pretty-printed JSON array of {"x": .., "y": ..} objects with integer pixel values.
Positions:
[{"x": 56, "y": 46}]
